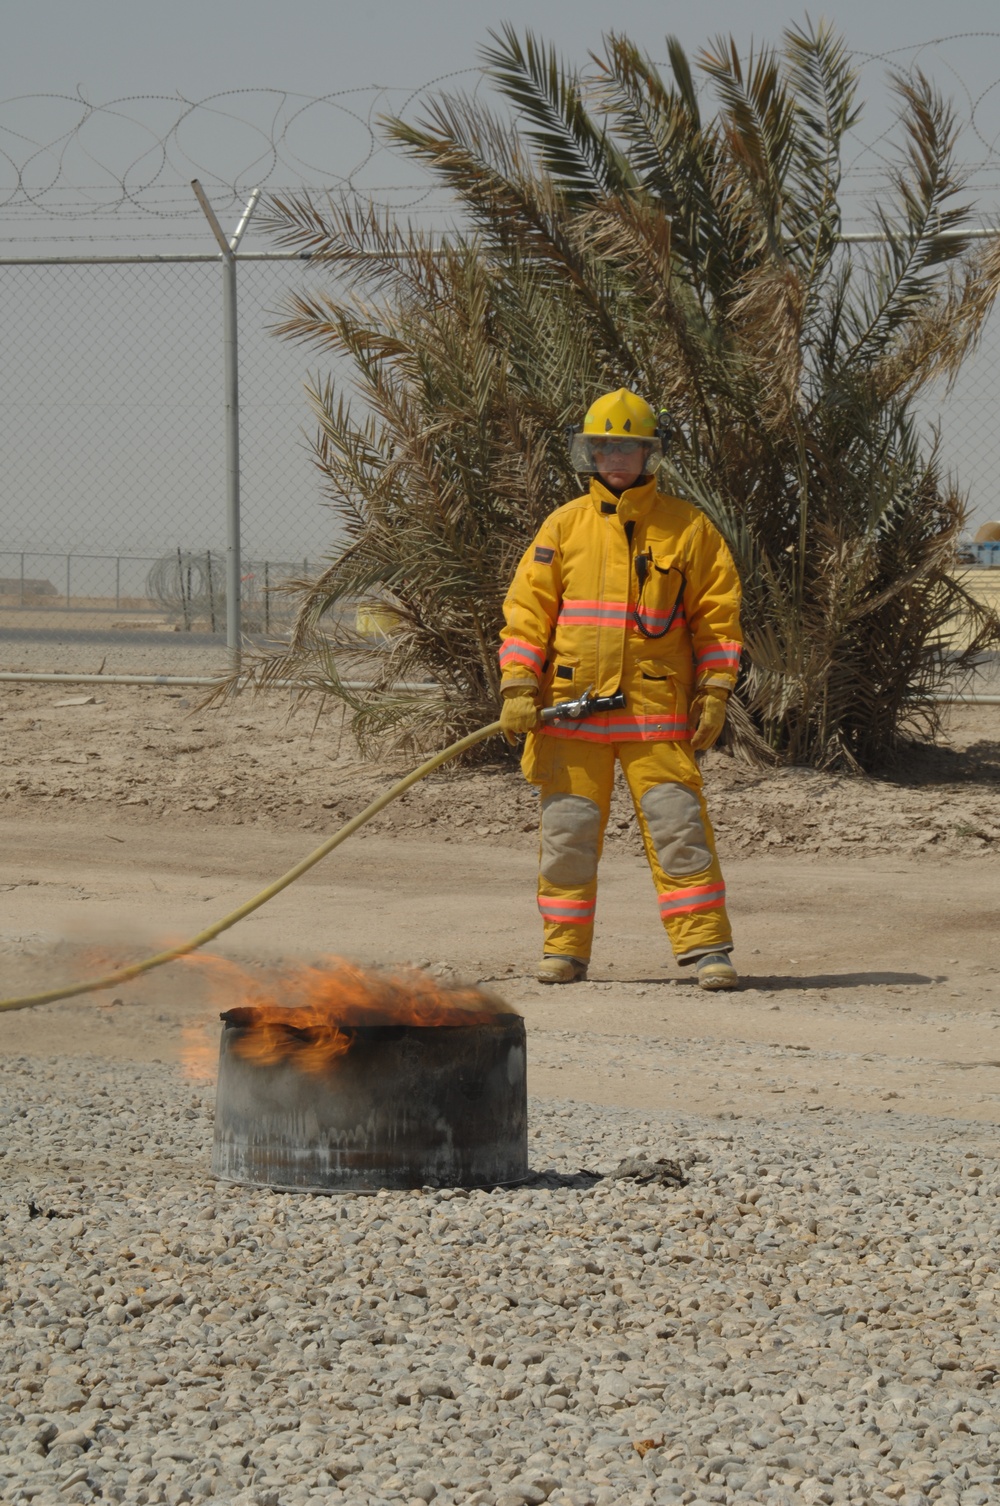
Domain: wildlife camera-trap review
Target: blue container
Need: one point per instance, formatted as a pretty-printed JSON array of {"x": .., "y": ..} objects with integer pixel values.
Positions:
[{"x": 988, "y": 554}]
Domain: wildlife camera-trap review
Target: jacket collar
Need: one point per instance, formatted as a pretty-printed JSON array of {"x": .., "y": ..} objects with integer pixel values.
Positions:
[{"x": 633, "y": 504}]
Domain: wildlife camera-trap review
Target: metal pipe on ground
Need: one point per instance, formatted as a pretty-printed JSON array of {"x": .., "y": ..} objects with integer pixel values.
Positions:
[
  {"x": 55, "y": 678},
  {"x": 31, "y": 677},
  {"x": 967, "y": 700}
]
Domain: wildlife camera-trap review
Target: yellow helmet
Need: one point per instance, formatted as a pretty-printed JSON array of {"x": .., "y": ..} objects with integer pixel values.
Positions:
[{"x": 619, "y": 416}]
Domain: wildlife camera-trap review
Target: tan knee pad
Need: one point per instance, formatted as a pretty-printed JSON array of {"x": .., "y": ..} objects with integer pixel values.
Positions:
[
  {"x": 571, "y": 831},
  {"x": 673, "y": 816}
]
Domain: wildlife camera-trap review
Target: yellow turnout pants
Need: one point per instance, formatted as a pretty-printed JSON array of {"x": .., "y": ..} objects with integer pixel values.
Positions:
[{"x": 575, "y": 780}]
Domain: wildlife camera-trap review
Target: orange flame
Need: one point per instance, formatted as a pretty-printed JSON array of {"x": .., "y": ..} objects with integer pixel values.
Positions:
[
  {"x": 199, "y": 1053},
  {"x": 306, "y": 1015}
]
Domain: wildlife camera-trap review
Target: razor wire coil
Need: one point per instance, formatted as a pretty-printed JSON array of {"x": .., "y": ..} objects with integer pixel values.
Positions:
[{"x": 190, "y": 586}]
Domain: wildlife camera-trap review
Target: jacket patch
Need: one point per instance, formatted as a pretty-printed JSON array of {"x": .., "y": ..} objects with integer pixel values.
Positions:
[{"x": 544, "y": 556}]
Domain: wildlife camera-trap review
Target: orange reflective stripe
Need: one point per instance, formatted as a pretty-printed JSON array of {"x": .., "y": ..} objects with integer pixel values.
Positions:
[
  {"x": 725, "y": 656},
  {"x": 583, "y": 613},
  {"x": 698, "y": 897},
  {"x": 572, "y": 912},
  {"x": 620, "y": 727},
  {"x": 520, "y": 651}
]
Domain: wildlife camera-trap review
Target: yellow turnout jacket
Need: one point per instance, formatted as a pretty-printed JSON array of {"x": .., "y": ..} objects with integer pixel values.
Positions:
[{"x": 637, "y": 593}]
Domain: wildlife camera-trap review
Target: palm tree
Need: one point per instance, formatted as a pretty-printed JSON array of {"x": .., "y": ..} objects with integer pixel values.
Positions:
[
  {"x": 616, "y": 234},
  {"x": 465, "y": 383}
]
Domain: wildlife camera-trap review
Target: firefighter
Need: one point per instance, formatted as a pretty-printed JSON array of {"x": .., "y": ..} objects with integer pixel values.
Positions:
[{"x": 624, "y": 589}]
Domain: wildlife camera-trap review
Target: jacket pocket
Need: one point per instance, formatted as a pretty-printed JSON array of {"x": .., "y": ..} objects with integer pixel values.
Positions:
[
  {"x": 666, "y": 584},
  {"x": 659, "y": 691},
  {"x": 562, "y": 680}
]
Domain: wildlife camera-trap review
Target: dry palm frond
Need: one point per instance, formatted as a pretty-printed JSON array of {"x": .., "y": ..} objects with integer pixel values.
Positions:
[
  {"x": 766, "y": 319},
  {"x": 360, "y": 238},
  {"x": 574, "y": 150},
  {"x": 824, "y": 87},
  {"x": 742, "y": 737},
  {"x": 757, "y": 121},
  {"x": 919, "y": 221},
  {"x": 518, "y": 211},
  {"x": 636, "y": 237},
  {"x": 941, "y": 336}
]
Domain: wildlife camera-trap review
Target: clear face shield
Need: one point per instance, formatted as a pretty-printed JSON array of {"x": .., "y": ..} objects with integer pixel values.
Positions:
[{"x": 584, "y": 450}]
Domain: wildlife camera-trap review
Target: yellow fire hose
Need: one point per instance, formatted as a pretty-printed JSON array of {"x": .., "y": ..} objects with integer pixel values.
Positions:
[{"x": 124, "y": 974}]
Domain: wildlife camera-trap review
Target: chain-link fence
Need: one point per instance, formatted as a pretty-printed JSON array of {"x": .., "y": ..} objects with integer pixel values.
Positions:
[
  {"x": 113, "y": 443},
  {"x": 963, "y": 416},
  {"x": 968, "y": 420}
]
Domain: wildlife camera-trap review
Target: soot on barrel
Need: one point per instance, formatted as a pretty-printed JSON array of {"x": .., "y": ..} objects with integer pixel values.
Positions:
[{"x": 367, "y": 1081}]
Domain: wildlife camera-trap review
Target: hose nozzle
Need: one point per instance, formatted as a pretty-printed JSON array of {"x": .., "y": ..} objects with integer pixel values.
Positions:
[{"x": 586, "y": 705}]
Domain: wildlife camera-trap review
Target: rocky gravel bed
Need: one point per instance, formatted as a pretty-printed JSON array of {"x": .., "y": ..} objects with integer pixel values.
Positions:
[{"x": 811, "y": 1318}]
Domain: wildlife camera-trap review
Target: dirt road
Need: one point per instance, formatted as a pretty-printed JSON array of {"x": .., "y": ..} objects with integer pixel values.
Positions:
[{"x": 870, "y": 986}]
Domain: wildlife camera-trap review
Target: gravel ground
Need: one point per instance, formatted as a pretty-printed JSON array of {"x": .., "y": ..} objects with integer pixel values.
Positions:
[{"x": 811, "y": 1319}]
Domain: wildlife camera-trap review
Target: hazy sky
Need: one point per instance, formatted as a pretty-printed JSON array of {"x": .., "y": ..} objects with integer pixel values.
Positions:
[
  {"x": 132, "y": 50},
  {"x": 199, "y": 46},
  {"x": 111, "y": 384}
]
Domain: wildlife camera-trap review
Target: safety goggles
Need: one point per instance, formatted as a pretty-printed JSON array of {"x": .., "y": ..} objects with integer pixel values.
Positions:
[
  {"x": 585, "y": 450},
  {"x": 608, "y": 447}
]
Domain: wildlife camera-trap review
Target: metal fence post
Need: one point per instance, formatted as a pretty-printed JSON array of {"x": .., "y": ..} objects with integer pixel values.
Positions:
[{"x": 230, "y": 339}]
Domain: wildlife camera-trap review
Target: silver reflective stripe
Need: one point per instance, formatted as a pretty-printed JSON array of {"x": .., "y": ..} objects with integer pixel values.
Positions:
[
  {"x": 673, "y": 815},
  {"x": 571, "y": 831}
]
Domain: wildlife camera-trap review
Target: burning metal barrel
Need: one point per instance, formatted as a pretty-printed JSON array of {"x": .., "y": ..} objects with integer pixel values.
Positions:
[{"x": 384, "y": 1082}]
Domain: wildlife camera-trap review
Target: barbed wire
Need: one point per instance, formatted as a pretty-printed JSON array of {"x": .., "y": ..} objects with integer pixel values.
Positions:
[
  {"x": 80, "y": 163},
  {"x": 79, "y": 169}
]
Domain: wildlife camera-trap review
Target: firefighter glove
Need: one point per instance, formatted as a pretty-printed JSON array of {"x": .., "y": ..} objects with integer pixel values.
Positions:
[
  {"x": 708, "y": 716},
  {"x": 518, "y": 712}
]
